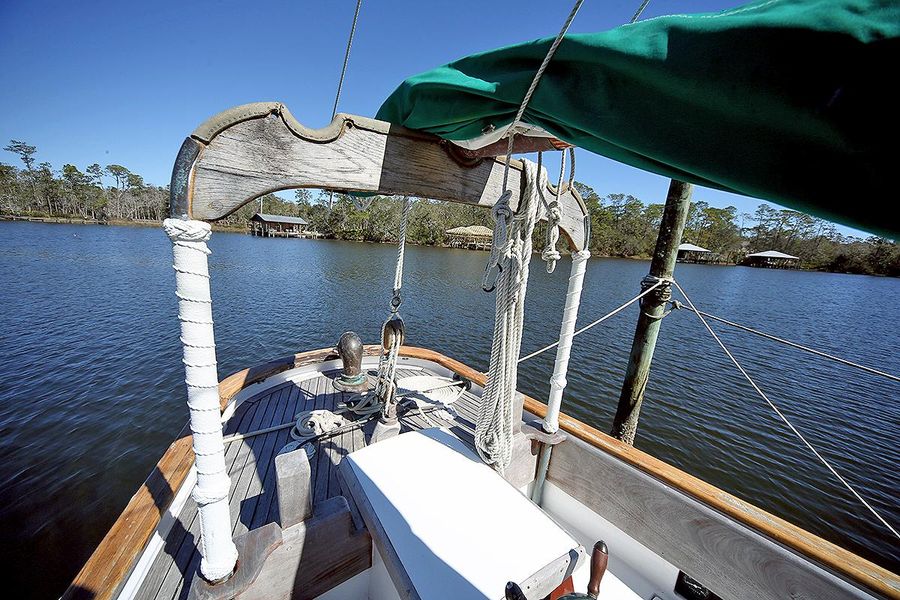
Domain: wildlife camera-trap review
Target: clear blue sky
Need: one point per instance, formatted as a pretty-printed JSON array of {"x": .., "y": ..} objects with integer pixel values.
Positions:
[{"x": 125, "y": 82}]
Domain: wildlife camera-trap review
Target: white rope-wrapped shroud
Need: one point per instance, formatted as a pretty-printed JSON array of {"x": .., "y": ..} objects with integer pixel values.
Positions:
[
  {"x": 566, "y": 334},
  {"x": 494, "y": 429},
  {"x": 201, "y": 376}
]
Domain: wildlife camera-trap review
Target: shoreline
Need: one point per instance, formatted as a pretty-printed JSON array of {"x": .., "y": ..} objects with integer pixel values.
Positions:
[{"x": 241, "y": 230}]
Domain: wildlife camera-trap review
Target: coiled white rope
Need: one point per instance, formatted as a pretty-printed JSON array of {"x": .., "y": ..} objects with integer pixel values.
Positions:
[
  {"x": 780, "y": 414},
  {"x": 493, "y": 430},
  {"x": 550, "y": 254}
]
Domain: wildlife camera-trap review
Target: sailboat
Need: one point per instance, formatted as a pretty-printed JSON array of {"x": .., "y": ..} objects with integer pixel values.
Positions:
[{"x": 388, "y": 471}]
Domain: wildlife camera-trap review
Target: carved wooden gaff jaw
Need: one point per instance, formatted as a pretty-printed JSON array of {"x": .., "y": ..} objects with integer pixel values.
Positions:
[{"x": 254, "y": 149}]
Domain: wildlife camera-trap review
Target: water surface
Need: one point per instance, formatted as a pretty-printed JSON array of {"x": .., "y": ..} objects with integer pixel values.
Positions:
[{"x": 91, "y": 381}]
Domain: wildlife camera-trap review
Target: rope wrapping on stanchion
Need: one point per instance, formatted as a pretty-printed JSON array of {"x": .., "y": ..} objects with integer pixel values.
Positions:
[{"x": 190, "y": 254}]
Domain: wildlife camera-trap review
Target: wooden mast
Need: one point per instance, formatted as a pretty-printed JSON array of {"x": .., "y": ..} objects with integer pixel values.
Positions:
[{"x": 662, "y": 266}]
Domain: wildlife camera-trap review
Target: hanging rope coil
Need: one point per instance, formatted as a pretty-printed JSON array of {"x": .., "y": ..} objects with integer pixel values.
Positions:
[
  {"x": 550, "y": 254},
  {"x": 502, "y": 214},
  {"x": 493, "y": 430}
]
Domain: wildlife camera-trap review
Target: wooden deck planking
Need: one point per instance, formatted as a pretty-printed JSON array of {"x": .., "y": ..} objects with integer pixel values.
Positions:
[
  {"x": 253, "y": 498},
  {"x": 174, "y": 585},
  {"x": 180, "y": 534},
  {"x": 255, "y": 470},
  {"x": 266, "y": 510},
  {"x": 183, "y": 564}
]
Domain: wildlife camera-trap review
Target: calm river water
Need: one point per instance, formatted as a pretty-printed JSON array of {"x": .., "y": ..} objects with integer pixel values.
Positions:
[{"x": 91, "y": 381}]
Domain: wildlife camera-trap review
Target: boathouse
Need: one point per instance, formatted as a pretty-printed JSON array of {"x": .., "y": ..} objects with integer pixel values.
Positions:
[
  {"x": 266, "y": 225},
  {"x": 691, "y": 253},
  {"x": 772, "y": 259},
  {"x": 473, "y": 237}
]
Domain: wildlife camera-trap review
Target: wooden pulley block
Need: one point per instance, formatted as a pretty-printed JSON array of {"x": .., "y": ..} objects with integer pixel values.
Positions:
[{"x": 393, "y": 330}]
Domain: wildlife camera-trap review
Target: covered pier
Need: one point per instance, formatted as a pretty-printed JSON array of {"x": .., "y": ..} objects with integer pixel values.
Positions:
[
  {"x": 772, "y": 259},
  {"x": 473, "y": 237}
]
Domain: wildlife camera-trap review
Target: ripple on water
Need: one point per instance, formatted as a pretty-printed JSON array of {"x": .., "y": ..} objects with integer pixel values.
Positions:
[{"x": 91, "y": 389}]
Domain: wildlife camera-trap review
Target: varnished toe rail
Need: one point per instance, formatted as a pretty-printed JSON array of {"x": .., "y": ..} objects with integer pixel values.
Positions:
[{"x": 768, "y": 561}]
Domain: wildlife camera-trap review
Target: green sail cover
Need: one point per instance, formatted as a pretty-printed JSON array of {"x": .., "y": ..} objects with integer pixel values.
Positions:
[{"x": 793, "y": 101}]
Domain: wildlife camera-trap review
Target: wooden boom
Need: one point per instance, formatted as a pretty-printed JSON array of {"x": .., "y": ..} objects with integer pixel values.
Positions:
[{"x": 255, "y": 149}]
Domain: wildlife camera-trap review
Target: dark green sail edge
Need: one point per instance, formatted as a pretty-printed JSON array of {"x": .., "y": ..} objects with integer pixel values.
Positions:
[{"x": 792, "y": 101}]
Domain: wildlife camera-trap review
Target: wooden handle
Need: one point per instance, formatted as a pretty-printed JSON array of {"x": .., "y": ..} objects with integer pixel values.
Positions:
[
  {"x": 514, "y": 592},
  {"x": 599, "y": 560}
]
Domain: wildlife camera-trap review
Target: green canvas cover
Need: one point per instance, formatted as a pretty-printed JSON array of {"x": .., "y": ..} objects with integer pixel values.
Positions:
[{"x": 793, "y": 101}]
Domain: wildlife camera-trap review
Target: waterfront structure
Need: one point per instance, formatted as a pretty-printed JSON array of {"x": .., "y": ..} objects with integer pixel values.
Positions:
[
  {"x": 473, "y": 237},
  {"x": 692, "y": 253},
  {"x": 266, "y": 225},
  {"x": 771, "y": 259}
]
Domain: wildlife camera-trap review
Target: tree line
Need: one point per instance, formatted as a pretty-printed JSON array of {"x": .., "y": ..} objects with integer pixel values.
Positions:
[
  {"x": 621, "y": 224},
  {"x": 103, "y": 193}
]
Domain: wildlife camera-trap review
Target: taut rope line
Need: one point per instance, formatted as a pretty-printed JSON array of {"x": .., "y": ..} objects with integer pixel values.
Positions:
[
  {"x": 337, "y": 96},
  {"x": 534, "y": 83},
  {"x": 600, "y": 320},
  {"x": 769, "y": 336},
  {"x": 781, "y": 415}
]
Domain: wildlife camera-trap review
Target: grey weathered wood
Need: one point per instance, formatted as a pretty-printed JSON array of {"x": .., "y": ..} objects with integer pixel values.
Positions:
[
  {"x": 248, "y": 152},
  {"x": 254, "y": 548},
  {"x": 315, "y": 556},
  {"x": 241, "y": 480},
  {"x": 173, "y": 563},
  {"x": 551, "y": 576},
  {"x": 263, "y": 462},
  {"x": 730, "y": 559},
  {"x": 268, "y": 509},
  {"x": 293, "y": 485}
]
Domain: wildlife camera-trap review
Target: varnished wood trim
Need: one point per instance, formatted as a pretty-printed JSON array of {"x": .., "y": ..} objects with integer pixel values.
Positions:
[
  {"x": 109, "y": 565},
  {"x": 835, "y": 558}
]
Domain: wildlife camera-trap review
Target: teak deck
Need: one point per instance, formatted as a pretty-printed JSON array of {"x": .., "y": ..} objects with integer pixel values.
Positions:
[{"x": 253, "y": 498}]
